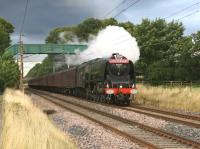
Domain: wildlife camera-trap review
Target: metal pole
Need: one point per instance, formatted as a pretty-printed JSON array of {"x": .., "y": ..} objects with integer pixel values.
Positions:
[
  {"x": 54, "y": 63},
  {"x": 21, "y": 63}
]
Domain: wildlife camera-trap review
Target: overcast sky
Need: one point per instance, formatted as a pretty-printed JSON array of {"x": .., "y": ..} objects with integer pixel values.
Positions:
[{"x": 45, "y": 15}]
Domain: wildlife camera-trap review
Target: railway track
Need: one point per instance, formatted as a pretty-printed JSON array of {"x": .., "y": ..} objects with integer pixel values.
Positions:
[
  {"x": 189, "y": 120},
  {"x": 145, "y": 136}
]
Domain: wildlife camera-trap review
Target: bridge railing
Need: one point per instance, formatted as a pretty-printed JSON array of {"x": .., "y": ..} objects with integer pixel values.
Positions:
[{"x": 47, "y": 48}]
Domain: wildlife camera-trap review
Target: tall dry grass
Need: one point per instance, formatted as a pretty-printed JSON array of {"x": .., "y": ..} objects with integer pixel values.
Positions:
[
  {"x": 185, "y": 98},
  {"x": 26, "y": 127},
  {"x": 0, "y": 114}
]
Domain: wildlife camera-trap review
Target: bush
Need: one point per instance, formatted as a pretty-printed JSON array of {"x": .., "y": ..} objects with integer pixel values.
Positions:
[
  {"x": 2, "y": 85},
  {"x": 9, "y": 71}
]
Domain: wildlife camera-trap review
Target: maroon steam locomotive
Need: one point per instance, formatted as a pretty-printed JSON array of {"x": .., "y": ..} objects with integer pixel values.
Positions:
[{"x": 110, "y": 80}]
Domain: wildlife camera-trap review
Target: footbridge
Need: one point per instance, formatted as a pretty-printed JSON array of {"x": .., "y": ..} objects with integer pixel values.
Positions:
[{"x": 47, "y": 48}]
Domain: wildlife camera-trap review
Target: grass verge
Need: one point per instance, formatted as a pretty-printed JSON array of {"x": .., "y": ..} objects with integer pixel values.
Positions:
[
  {"x": 186, "y": 98},
  {"x": 26, "y": 127}
]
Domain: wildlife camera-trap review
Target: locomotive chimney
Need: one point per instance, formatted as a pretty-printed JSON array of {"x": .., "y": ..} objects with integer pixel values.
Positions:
[{"x": 115, "y": 54}]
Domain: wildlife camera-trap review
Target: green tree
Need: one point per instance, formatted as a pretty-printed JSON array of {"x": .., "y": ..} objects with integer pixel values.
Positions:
[
  {"x": 33, "y": 71},
  {"x": 159, "y": 71},
  {"x": 6, "y": 26},
  {"x": 5, "y": 30},
  {"x": 128, "y": 26},
  {"x": 109, "y": 21},
  {"x": 46, "y": 67},
  {"x": 4, "y": 41},
  {"x": 188, "y": 59},
  {"x": 61, "y": 35},
  {"x": 53, "y": 36},
  {"x": 157, "y": 41},
  {"x": 88, "y": 27},
  {"x": 82, "y": 31},
  {"x": 9, "y": 71}
]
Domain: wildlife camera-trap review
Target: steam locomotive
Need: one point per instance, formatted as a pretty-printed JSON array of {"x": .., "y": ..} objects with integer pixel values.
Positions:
[{"x": 108, "y": 80}]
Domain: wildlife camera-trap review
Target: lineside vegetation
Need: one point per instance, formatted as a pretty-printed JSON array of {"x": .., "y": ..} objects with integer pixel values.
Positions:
[
  {"x": 26, "y": 127},
  {"x": 182, "y": 98},
  {"x": 9, "y": 70}
]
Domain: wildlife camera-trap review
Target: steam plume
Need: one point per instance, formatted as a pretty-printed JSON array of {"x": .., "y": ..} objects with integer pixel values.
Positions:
[{"x": 112, "y": 39}]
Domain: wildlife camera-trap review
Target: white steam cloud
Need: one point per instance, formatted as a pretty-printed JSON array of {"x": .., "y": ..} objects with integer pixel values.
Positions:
[{"x": 112, "y": 39}]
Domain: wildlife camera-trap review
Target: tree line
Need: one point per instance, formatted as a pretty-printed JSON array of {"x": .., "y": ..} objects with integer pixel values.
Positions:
[
  {"x": 166, "y": 54},
  {"x": 9, "y": 70}
]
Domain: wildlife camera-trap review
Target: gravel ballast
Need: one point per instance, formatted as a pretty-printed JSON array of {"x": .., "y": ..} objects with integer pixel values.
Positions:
[
  {"x": 89, "y": 134},
  {"x": 183, "y": 131},
  {"x": 86, "y": 134},
  {"x": 141, "y": 118},
  {"x": 177, "y": 129}
]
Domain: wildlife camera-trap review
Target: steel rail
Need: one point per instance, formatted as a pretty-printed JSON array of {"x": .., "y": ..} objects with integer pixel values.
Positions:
[
  {"x": 142, "y": 126},
  {"x": 169, "y": 116},
  {"x": 193, "y": 121},
  {"x": 121, "y": 133},
  {"x": 192, "y": 117}
]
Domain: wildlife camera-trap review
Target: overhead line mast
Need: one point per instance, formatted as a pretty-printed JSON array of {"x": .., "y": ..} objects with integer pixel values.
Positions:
[
  {"x": 21, "y": 62},
  {"x": 21, "y": 48}
]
